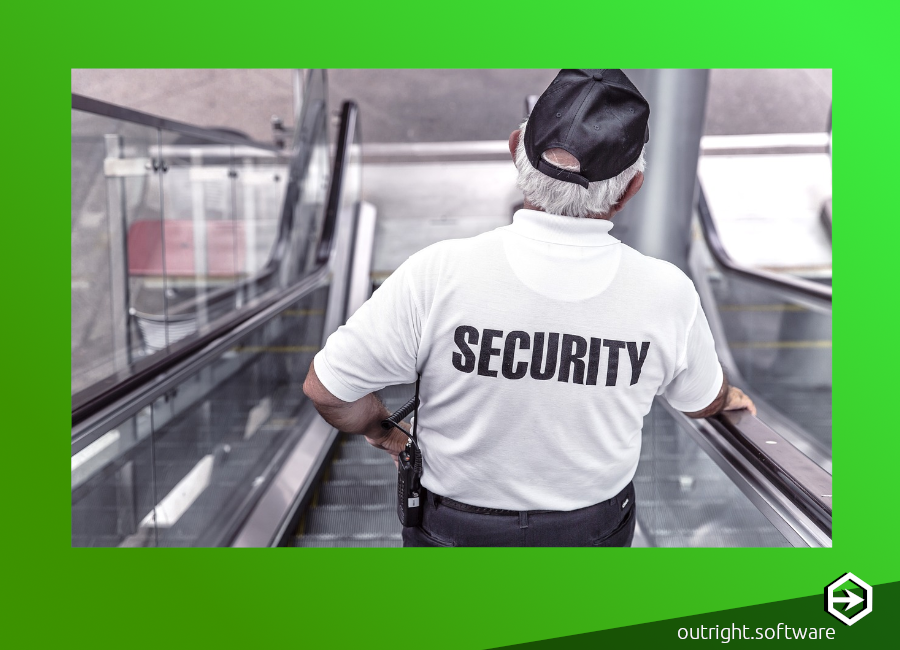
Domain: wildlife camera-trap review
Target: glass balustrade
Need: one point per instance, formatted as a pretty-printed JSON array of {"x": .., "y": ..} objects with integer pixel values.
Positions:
[{"x": 175, "y": 230}]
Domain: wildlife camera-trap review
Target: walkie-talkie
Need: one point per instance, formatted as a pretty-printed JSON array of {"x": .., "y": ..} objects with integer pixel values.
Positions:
[{"x": 410, "y": 493}]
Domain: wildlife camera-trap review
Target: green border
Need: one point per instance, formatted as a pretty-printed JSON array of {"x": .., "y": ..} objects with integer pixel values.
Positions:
[{"x": 474, "y": 597}]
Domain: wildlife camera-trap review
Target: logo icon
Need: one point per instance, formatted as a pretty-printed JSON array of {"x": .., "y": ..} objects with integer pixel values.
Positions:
[{"x": 838, "y": 593}]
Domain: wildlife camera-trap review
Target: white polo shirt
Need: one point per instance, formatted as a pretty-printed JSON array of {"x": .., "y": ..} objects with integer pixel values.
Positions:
[{"x": 540, "y": 346}]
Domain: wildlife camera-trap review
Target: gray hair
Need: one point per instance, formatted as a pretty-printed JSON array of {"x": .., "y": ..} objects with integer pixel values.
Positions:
[{"x": 568, "y": 199}]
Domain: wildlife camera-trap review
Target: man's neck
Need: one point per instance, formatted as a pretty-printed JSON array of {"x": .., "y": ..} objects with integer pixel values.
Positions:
[{"x": 528, "y": 205}]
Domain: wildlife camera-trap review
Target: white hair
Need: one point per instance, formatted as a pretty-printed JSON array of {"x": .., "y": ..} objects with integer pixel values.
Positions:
[{"x": 568, "y": 199}]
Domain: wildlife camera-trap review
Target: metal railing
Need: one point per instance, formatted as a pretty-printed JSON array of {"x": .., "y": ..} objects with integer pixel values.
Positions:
[{"x": 816, "y": 295}]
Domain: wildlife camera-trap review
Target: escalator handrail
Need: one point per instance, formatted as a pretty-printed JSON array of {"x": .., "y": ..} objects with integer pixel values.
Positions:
[
  {"x": 151, "y": 382},
  {"x": 346, "y": 138},
  {"x": 116, "y": 112},
  {"x": 792, "y": 491},
  {"x": 805, "y": 289},
  {"x": 806, "y": 484}
]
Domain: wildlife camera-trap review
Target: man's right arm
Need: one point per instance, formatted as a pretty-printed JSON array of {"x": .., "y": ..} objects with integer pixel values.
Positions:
[
  {"x": 701, "y": 372},
  {"x": 729, "y": 398}
]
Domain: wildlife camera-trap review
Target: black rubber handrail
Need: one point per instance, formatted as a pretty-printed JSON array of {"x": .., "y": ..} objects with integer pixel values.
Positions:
[
  {"x": 346, "y": 137},
  {"x": 790, "y": 284},
  {"x": 806, "y": 484},
  {"x": 117, "y": 389}
]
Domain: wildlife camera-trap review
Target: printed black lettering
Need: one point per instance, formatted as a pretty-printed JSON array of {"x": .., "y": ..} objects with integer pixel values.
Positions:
[
  {"x": 593, "y": 362},
  {"x": 509, "y": 355},
  {"x": 576, "y": 357},
  {"x": 637, "y": 362},
  {"x": 538, "y": 354},
  {"x": 612, "y": 369},
  {"x": 484, "y": 359},
  {"x": 465, "y": 362},
  {"x": 572, "y": 357}
]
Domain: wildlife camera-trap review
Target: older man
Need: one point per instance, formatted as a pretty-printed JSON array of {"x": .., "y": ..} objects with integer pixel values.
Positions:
[{"x": 540, "y": 345}]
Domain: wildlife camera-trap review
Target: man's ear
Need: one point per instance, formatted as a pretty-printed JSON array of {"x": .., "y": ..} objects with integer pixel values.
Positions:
[
  {"x": 514, "y": 142},
  {"x": 633, "y": 186}
]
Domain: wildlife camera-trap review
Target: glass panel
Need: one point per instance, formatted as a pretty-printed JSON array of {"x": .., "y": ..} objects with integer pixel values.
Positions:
[
  {"x": 113, "y": 490},
  {"x": 685, "y": 500},
  {"x": 202, "y": 261},
  {"x": 187, "y": 467},
  {"x": 173, "y": 233},
  {"x": 93, "y": 344},
  {"x": 116, "y": 257},
  {"x": 312, "y": 169},
  {"x": 259, "y": 180},
  {"x": 219, "y": 435}
]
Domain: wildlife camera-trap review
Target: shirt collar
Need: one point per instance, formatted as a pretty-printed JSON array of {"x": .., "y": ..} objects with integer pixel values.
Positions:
[{"x": 556, "y": 229}]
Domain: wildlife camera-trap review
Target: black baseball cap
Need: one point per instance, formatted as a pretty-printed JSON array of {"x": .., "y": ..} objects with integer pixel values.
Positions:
[{"x": 598, "y": 116}]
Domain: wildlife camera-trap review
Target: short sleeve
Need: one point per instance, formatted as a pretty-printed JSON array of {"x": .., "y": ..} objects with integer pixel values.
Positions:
[
  {"x": 699, "y": 378},
  {"x": 378, "y": 345}
]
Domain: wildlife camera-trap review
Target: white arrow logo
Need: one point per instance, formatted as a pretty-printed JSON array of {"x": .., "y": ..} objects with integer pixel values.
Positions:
[
  {"x": 833, "y": 600},
  {"x": 851, "y": 599}
]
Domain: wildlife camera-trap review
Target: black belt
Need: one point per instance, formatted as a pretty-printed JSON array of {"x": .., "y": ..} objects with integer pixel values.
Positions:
[{"x": 478, "y": 510}]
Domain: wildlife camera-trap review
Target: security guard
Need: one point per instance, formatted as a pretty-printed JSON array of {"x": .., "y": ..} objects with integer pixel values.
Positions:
[{"x": 540, "y": 345}]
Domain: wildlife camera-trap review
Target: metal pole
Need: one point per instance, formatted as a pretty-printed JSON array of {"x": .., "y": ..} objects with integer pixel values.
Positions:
[
  {"x": 116, "y": 209},
  {"x": 657, "y": 220}
]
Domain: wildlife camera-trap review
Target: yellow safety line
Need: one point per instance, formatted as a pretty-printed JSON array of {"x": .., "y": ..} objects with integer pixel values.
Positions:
[
  {"x": 780, "y": 344},
  {"x": 762, "y": 308}
]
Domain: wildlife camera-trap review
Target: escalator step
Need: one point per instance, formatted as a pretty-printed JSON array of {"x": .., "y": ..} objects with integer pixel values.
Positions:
[
  {"x": 357, "y": 495},
  {"x": 363, "y": 472},
  {"x": 329, "y": 541},
  {"x": 356, "y": 441},
  {"x": 362, "y": 453},
  {"x": 352, "y": 521}
]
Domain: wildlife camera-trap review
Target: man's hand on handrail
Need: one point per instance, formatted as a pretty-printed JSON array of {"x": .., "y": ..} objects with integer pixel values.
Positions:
[
  {"x": 730, "y": 398},
  {"x": 737, "y": 399}
]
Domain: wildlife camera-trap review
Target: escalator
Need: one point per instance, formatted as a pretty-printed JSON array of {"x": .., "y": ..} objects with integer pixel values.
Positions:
[
  {"x": 208, "y": 440},
  {"x": 774, "y": 338},
  {"x": 355, "y": 505}
]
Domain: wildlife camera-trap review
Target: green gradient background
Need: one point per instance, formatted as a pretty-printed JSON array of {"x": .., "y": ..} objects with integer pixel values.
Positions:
[{"x": 471, "y": 597}]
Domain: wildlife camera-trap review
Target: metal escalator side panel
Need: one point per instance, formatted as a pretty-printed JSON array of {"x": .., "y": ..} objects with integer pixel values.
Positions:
[
  {"x": 273, "y": 515},
  {"x": 779, "y": 507}
]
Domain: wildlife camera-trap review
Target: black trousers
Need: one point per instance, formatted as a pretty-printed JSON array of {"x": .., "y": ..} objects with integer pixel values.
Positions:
[{"x": 610, "y": 523}]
